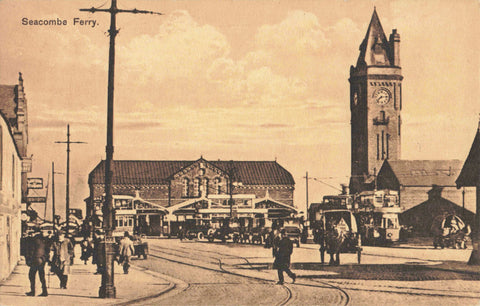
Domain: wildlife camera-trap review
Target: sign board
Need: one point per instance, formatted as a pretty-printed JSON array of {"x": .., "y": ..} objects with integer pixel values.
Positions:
[
  {"x": 35, "y": 183},
  {"x": 36, "y": 199}
]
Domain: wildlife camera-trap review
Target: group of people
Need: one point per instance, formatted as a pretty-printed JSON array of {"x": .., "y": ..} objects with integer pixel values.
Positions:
[
  {"x": 41, "y": 248},
  {"x": 95, "y": 249}
]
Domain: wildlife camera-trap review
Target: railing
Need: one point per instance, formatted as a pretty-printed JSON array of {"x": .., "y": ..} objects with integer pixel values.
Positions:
[{"x": 381, "y": 121}]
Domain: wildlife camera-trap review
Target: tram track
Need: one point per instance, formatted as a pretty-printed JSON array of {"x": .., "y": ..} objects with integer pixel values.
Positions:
[
  {"x": 290, "y": 295},
  {"x": 219, "y": 262}
]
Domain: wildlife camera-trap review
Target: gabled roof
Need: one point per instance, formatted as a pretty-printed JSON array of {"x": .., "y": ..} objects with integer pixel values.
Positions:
[
  {"x": 159, "y": 171},
  {"x": 426, "y": 172},
  {"x": 374, "y": 43},
  {"x": 8, "y": 96},
  {"x": 257, "y": 172},
  {"x": 471, "y": 169}
]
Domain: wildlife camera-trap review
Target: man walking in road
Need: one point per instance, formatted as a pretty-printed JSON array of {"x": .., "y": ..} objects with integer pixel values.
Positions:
[
  {"x": 126, "y": 251},
  {"x": 37, "y": 254},
  {"x": 282, "y": 252}
]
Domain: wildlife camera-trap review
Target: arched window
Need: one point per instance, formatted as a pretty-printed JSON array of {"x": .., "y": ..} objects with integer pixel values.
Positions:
[
  {"x": 205, "y": 187},
  {"x": 196, "y": 187},
  {"x": 185, "y": 187},
  {"x": 217, "y": 185}
]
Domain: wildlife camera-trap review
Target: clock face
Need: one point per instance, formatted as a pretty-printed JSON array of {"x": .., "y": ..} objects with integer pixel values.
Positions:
[{"x": 382, "y": 96}]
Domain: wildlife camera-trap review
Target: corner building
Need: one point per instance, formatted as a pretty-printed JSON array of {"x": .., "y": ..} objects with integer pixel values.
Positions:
[
  {"x": 14, "y": 166},
  {"x": 375, "y": 104}
]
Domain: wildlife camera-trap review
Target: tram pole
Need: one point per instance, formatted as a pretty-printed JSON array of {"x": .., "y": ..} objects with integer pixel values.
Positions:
[{"x": 107, "y": 288}]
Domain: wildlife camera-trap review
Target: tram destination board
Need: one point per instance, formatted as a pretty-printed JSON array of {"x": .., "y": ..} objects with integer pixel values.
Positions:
[{"x": 36, "y": 199}]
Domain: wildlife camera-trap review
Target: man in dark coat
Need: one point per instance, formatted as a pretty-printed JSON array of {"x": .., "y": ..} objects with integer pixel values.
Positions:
[
  {"x": 282, "y": 252},
  {"x": 37, "y": 255}
]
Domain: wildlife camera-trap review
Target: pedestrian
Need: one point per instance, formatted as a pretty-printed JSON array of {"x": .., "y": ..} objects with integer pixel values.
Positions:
[
  {"x": 283, "y": 251},
  {"x": 36, "y": 256},
  {"x": 319, "y": 238},
  {"x": 62, "y": 258},
  {"x": 98, "y": 252},
  {"x": 87, "y": 247},
  {"x": 181, "y": 233},
  {"x": 126, "y": 251},
  {"x": 275, "y": 240}
]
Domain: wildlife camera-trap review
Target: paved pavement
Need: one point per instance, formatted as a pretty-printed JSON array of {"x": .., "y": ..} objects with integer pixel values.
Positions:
[{"x": 82, "y": 287}]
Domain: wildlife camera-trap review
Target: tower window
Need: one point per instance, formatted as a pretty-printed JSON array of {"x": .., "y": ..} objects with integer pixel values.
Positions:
[
  {"x": 383, "y": 145},
  {"x": 399, "y": 125},
  {"x": 388, "y": 150},
  {"x": 382, "y": 116}
]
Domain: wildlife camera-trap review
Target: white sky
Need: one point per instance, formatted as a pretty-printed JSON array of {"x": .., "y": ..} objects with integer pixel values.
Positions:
[{"x": 243, "y": 80}]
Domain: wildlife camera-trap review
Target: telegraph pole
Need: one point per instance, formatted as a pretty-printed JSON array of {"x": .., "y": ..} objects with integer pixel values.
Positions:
[
  {"x": 231, "y": 174},
  {"x": 306, "y": 197},
  {"x": 107, "y": 289},
  {"x": 67, "y": 193},
  {"x": 53, "y": 196}
]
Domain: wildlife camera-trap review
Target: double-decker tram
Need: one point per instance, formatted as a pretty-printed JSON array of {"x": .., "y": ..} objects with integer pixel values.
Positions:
[{"x": 377, "y": 215}]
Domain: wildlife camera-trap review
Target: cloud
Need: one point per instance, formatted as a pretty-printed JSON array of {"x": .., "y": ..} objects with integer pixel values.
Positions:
[
  {"x": 299, "y": 33},
  {"x": 181, "y": 48}
]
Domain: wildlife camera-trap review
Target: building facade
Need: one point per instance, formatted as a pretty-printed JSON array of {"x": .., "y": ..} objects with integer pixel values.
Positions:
[
  {"x": 427, "y": 190},
  {"x": 375, "y": 104},
  {"x": 14, "y": 166},
  {"x": 173, "y": 192}
]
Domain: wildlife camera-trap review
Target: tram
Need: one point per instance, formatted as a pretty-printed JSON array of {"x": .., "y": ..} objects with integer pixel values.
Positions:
[{"x": 377, "y": 215}]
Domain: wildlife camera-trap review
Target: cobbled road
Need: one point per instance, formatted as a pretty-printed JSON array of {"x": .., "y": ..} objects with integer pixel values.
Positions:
[{"x": 203, "y": 273}]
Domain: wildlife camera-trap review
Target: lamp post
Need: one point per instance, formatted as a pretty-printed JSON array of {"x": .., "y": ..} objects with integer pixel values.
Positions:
[{"x": 107, "y": 288}]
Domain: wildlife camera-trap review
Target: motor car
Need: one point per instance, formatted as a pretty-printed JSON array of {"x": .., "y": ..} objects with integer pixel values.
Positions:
[
  {"x": 224, "y": 234},
  {"x": 140, "y": 246},
  {"x": 199, "y": 232},
  {"x": 294, "y": 233}
]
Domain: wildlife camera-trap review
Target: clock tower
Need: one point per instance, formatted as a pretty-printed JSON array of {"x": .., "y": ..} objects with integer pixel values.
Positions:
[{"x": 375, "y": 105}]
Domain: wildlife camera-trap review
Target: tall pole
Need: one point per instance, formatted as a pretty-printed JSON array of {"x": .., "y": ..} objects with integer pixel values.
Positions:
[
  {"x": 107, "y": 288},
  {"x": 231, "y": 173},
  {"x": 306, "y": 197},
  {"x": 53, "y": 197},
  {"x": 67, "y": 191}
]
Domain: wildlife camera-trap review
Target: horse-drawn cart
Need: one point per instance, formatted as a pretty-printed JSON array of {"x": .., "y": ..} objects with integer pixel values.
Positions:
[{"x": 335, "y": 230}]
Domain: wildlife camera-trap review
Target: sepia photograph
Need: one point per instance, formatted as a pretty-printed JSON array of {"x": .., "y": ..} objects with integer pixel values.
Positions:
[{"x": 239, "y": 152}]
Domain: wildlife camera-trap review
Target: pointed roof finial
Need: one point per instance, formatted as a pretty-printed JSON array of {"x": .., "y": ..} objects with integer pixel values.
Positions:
[
  {"x": 20, "y": 78},
  {"x": 478, "y": 122}
]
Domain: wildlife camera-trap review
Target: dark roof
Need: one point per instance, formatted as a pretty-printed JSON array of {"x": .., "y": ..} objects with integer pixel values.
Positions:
[
  {"x": 7, "y": 101},
  {"x": 159, "y": 171},
  {"x": 375, "y": 35},
  {"x": 426, "y": 172},
  {"x": 471, "y": 169}
]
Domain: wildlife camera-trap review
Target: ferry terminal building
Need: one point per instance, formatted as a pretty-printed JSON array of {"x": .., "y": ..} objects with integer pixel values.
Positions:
[{"x": 156, "y": 197}]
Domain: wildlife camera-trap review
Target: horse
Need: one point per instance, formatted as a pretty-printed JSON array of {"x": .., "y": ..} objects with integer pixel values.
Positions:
[
  {"x": 334, "y": 240},
  {"x": 331, "y": 239}
]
